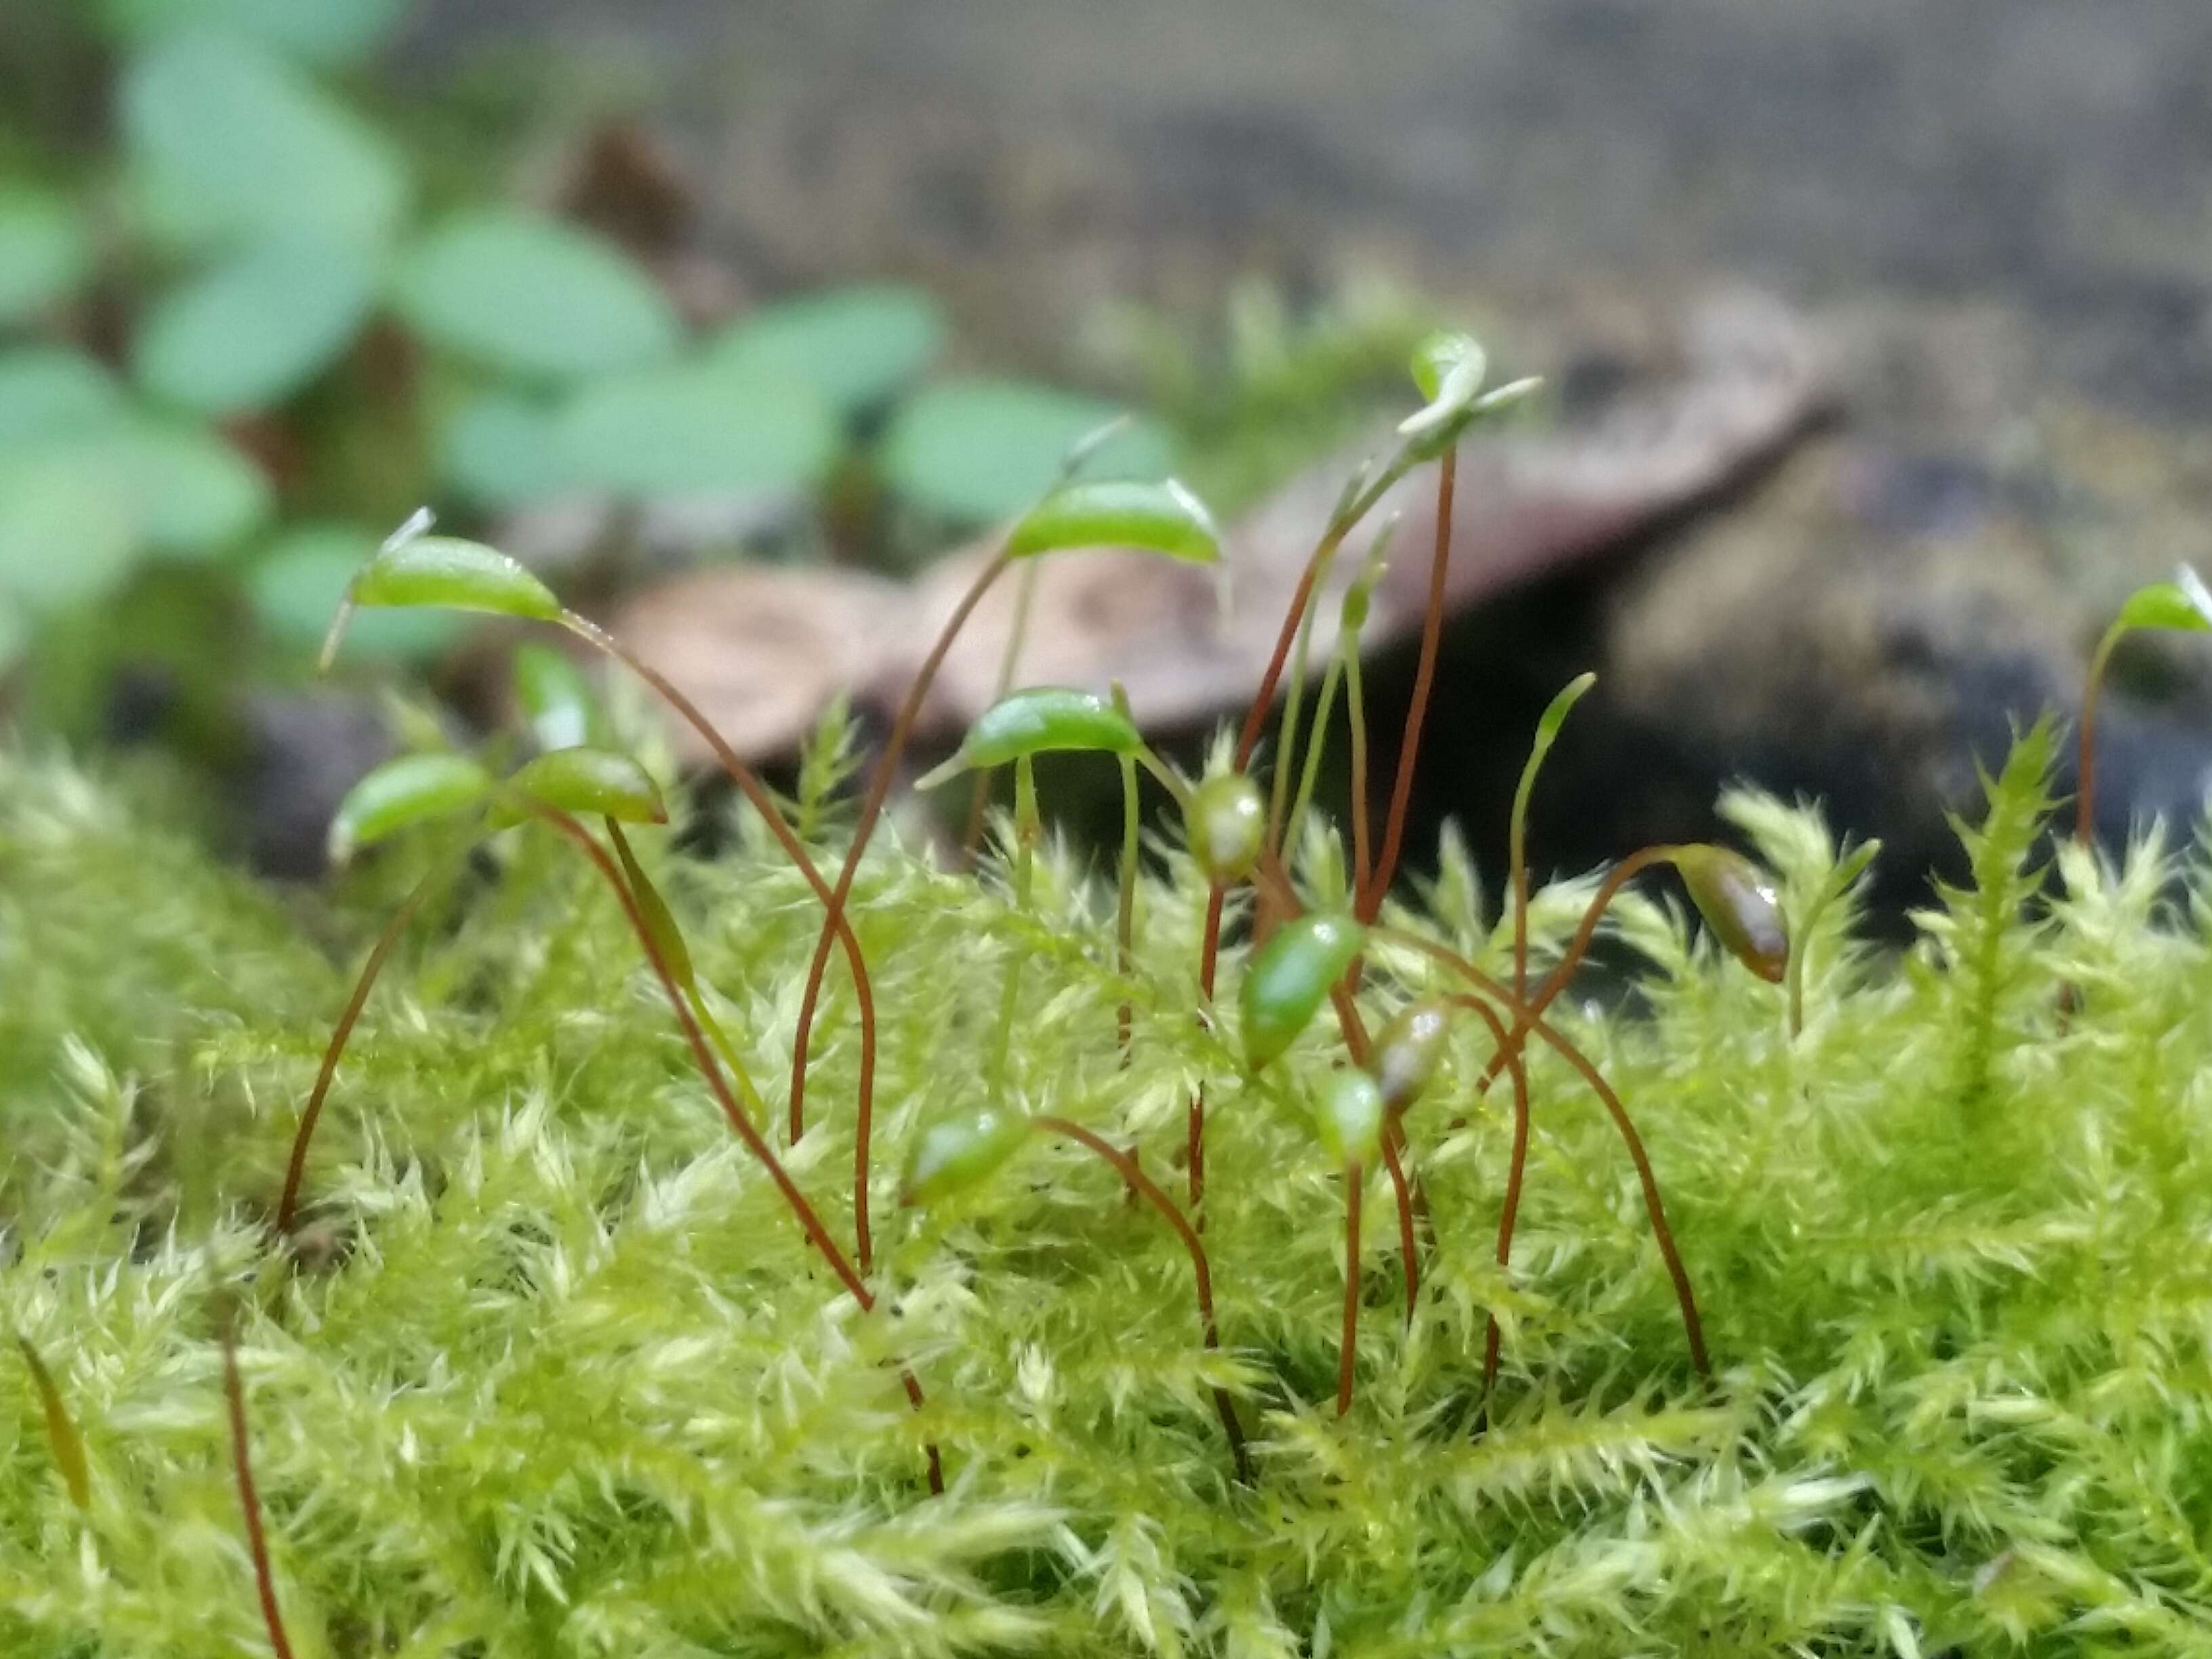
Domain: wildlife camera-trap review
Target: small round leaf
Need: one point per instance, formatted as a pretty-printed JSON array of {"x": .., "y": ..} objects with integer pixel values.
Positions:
[
  {"x": 532, "y": 296},
  {"x": 257, "y": 328},
  {"x": 976, "y": 450},
  {"x": 1408, "y": 1050},
  {"x": 49, "y": 392},
  {"x": 229, "y": 142},
  {"x": 44, "y": 253},
  {"x": 696, "y": 431},
  {"x": 857, "y": 347}
]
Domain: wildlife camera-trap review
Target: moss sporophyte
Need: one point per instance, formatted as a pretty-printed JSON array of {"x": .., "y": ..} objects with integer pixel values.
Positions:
[{"x": 561, "y": 1336}]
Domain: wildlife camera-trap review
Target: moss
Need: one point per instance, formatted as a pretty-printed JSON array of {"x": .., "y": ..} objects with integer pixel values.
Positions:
[{"x": 562, "y": 1376}]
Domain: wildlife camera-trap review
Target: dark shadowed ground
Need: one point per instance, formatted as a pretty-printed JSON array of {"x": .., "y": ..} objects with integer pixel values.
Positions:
[{"x": 1998, "y": 211}]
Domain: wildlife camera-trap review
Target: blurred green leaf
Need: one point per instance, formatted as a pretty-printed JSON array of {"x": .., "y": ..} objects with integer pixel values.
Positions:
[
  {"x": 194, "y": 493},
  {"x": 401, "y": 793},
  {"x": 67, "y": 535},
  {"x": 255, "y": 328},
  {"x": 696, "y": 430},
  {"x": 297, "y": 584},
  {"x": 15, "y": 628},
  {"x": 533, "y": 296},
  {"x": 44, "y": 252},
  {"x": 229, "y": 142},
  {"x": 977, "y": 450},
  {"x": 502, "y": 450},
  {"x": 77, "y": 512},
  {"x": 318, "y": 31},
  {"x": 51, "y": 392},
  {"x": 856, "y": 346}
]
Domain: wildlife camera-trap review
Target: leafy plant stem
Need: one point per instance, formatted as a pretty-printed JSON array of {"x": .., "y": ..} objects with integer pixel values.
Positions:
[
  {"x": 1317, "y": 747},
  {"x": 1510, "y": 1211},
  {"x": 1125, "y": 906}
]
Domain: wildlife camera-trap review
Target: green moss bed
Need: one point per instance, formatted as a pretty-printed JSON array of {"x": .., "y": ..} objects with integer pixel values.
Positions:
[{"x": 553, "y": 1370}]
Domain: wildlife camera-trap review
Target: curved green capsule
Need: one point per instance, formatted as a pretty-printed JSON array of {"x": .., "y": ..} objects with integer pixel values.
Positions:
[
  {"x": 447, "y": 572},
  {"x": 1227, "y": 824},
  {"x": 596, "y": 782},
  {"x": 956, "y": 1153},
  {"x": 1288, "y": 978},
  {"x": 1408, "y": 1050},
  {"x": 2181, "y": 604},
  {"x": 1040, "y": 720},
  {"x": 555, "y": 697},
  {"x": 1738, "y": 901},
  {"x": 1449, "y": 369},
  {"x": 1160, "y": 518},
  {"x": 403, "y": 792},
  {"x": 1348, "y": 1119}
]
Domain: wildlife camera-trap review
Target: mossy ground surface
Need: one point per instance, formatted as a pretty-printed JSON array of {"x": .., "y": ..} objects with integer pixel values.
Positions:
[{"x": 558, "y": 1374}]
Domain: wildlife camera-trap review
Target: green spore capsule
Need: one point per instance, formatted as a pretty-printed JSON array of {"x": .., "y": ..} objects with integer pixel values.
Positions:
[
  {"x": 957, "y": 1154},
  {"x": 1227, "y": 822},
  {"x": 1040, "y": 720},
  {"x": 1288, "y": 976},
  {"x": 597, "y": 782},
  {"x": 401, "y": 793},
  {"x": 1738, "y": 902},
  {"x": 1162, "y": 518},
  {"x": 1348, "y": 1119},
  {"x": 448, "y": 573},
  {"x": 1407, "y": 1049}
]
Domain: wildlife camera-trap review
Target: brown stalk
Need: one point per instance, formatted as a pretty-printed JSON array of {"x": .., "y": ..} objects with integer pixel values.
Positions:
[
  {"x": 809, "y": 1219},
  {"x": 1126, "y": 1165},
  {"x": 1510, "y": 1212},
  {"x": 1654, "y": 1206},
  {"x": 1409, "y": 748},
  {"x": 296, "y": 1171},
  {"x": 249, "y": 1499},
  {"x": 872, "y": 806}
]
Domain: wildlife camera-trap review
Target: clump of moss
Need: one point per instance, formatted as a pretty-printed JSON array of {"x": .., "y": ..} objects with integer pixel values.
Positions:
[{"x": 555, "y": 1371}]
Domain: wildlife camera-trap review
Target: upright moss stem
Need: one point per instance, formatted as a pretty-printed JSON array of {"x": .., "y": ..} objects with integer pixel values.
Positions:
[
  {"x": 1125, "y": 906},
  {"x": 1127, "y": 1168}
]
